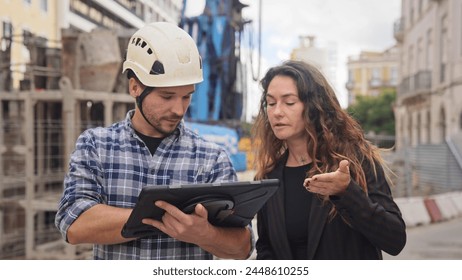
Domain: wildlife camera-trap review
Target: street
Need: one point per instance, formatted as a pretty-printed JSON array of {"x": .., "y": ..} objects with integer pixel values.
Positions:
[{"x": 439, "y": 241}]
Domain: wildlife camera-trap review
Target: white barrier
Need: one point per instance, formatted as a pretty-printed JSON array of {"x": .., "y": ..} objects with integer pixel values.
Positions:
[
  {"x": 413, "y": 210},
  {"x": 446, "y": 205},
  {"x": 455, "y": 207},
  {"x": 456, "y": 198}
]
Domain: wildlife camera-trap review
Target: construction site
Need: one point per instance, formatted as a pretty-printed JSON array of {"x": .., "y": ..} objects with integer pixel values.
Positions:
[
  {"x": 64, "y": 92},
  {"x": 74, "y": 83}
]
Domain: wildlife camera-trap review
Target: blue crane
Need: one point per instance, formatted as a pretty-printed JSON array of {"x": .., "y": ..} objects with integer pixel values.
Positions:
[
  {"x": 217, "y": 32},
  {"x": 217, "y": 104}
]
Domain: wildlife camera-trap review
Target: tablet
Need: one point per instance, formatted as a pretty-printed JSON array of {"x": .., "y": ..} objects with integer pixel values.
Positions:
[{"x": 229, "y": 204}]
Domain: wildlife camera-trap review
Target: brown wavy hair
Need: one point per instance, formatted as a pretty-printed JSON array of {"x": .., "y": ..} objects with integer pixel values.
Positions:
[{"x": 333, "y": 134}]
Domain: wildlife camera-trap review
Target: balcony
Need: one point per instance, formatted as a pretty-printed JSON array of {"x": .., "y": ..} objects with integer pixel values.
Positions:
[
  {"x": 423, "y": 81},
  {"x": 398, "y": 29},
  {"x": 376, "y": 83},
  {"x": 417, "y": 84}
]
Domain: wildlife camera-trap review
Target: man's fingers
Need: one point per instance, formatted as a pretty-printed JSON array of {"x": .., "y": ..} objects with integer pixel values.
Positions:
[
  {"x": 169, "y": 208},
  {"x": 154, "y": 223},
  {"x": 201, "y": 211}
]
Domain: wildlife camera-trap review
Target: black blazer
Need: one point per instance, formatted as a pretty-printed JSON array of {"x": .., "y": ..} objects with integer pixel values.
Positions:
[{"x": 374, "y": 223}]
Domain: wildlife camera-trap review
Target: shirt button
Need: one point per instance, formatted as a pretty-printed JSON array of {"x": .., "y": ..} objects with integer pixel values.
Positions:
[{"x": 153, "y": 172}]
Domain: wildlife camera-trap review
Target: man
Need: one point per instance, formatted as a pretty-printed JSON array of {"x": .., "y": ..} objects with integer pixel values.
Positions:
[{"x": 150, "y": 147}]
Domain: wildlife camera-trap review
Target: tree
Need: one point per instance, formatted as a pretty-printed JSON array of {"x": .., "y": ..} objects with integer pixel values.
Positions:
[{"x": 375, "y": 113}]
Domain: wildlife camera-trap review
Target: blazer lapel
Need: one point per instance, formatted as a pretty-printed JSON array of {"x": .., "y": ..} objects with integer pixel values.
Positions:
[
  {"x": 276, "y": 215},
  {"x": 317, "y": 221}
]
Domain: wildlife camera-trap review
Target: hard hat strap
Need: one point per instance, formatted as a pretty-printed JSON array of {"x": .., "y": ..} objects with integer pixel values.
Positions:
[{"x": 139, "y": 101}]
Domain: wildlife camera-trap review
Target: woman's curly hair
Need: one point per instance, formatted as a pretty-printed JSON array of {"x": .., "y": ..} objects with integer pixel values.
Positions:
[{"x": 333, "y": 135}]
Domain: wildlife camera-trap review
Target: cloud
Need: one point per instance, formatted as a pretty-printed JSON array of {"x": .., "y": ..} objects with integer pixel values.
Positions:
[
  {"x": 357, "y": 23},
  {"x": 353, "y": 25}
]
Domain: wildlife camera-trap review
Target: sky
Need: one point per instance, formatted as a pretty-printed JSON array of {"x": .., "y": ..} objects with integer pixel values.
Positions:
[{"x": 352, "y": 25}]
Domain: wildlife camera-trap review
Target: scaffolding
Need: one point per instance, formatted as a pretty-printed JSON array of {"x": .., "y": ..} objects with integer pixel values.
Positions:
[
  {"x": 39, "y": 124},
  {"x": 37, "y": 135}
]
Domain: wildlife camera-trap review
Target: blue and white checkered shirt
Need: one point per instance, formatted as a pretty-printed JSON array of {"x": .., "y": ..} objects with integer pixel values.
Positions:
[{"x": 111, "y": 165}]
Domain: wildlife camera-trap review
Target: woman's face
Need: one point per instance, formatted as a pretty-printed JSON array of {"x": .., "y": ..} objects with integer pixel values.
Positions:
[{"x": 284, "y": 109}]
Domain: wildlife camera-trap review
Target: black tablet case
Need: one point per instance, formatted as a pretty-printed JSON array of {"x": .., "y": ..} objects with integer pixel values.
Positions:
[{"x": 229, "y": 204}]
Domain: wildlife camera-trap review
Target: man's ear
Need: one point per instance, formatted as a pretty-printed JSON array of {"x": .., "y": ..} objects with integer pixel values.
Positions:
[{"x": 134, "y": 87}]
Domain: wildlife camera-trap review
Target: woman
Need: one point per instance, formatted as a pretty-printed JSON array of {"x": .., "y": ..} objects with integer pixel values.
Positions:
[{"x": 334, "y": 201}]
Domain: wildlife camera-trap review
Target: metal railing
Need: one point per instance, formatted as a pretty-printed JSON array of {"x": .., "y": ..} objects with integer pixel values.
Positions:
[{"x": 420, "y": 82}]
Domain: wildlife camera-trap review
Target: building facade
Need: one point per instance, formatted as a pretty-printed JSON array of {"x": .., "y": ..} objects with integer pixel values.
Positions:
[
  {"x": 117, "y": 14},
  {"x": 370, "y": 73},
  {"x": 37, "y": 17},
  {"x": 37, "y": 28},
  {"x": 321, "y": 54},
  {"x": 429, "y": 102},
  {"x": 428, "y": 108}
]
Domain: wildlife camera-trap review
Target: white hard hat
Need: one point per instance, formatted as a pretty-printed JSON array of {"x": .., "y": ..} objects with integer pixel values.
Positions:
[{"x": 162, "y": 54}]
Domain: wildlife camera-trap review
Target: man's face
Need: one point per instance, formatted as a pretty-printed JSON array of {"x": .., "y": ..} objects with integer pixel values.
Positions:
[{"x": 164, "y": 108}]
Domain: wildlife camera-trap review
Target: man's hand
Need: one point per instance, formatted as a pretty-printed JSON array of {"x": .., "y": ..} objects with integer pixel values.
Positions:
[
  {"x": 191, "y": 228},
  {"x": 234, "y": 243},
  {"x": 333, "y": 183}
]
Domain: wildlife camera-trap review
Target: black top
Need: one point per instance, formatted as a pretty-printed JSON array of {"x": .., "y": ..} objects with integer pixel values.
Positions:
[
  {"x": 297, "y": 209},
  {"x": 151, "y": 142}
]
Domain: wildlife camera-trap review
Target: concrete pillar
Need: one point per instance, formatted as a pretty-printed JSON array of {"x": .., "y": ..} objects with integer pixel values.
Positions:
[{"x": 30, "y": 184}]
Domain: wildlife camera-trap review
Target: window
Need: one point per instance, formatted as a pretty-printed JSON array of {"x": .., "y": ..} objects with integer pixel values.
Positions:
[
  {"x": 376, "y": 78},
  {"x": 7, "y": 33},
  {"x": 376, "y": 73},
  {"x": 409, "y": 131},
  {"x": 27, "y": 37},
  {"x": 443, "y": 47},
  {"x": 418, "y": 127},
  {"x": 351, "y": 77},
  {"x": 44, "y": 5},
  {"x": 460, "y": 121},
  {"x": 428, "y": 127},
  {"x": 429, "y": 60},
  {"x": 420, "y": 58},
  {"x": 411, "y": 60},
  {"x": 393, "y": 76},
  {"x": 412, "y": 15},
  {"x": 442, "y": 125}
]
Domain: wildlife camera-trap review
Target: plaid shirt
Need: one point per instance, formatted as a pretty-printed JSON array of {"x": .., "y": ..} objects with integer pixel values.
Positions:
[{"x": 111, "y": 165}]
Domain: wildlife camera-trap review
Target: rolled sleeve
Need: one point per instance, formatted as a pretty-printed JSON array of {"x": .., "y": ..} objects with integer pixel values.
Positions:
[{"x": 82, "y": 186}]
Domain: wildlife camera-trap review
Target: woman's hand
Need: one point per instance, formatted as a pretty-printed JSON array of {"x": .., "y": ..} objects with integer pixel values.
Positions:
[{"x": 332, "y": 183}]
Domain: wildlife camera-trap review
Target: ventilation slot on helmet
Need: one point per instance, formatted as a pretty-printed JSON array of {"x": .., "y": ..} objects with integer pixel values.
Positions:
[
  {"x": 157, "y": 68},
  {"x": 140, "y": 42}
]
